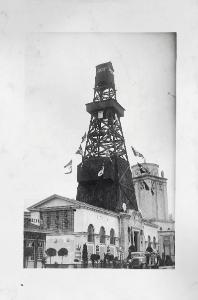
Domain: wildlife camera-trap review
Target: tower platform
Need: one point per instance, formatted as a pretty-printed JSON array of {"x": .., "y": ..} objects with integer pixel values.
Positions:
[{"x": 104, "y": 106}]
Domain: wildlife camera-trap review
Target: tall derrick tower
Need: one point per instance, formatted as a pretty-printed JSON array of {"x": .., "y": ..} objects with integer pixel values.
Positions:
[{"x": 104, "y": 176}]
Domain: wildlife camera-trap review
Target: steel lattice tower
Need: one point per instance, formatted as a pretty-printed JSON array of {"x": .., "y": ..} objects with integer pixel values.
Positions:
[{"x": 105, "y": 149}]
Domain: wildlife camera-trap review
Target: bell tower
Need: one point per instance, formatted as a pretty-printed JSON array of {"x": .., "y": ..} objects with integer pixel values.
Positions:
[
  {"x": 104, "y": 176},
  {"x": 152, "y": 198}
]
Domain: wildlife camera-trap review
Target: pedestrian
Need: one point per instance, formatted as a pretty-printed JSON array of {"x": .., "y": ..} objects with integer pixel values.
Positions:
[
  {"x": 163, "y": 259},
  {"x": 158, "y": 258},
  {"x": 149, "y": 250},
  {"x": 132, "y": 248}
]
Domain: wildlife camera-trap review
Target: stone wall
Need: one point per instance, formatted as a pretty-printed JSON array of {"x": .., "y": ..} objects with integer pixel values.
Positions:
[
  {"x": 84, "y": 217},
  {"x": 57, "y": 242}
]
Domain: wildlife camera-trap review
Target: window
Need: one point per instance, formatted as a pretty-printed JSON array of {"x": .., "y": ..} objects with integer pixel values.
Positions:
[
  {"x": 112, "y": 236},
  {"x": 41, "y": 219},
  {"x": 57, "y": 220},
  {"x": 102, "y": 235},
  {"x": 67, "y": 220},
  {"x": 40, "y": 250},
  {"x": 39, "y": 245},
  {"x": 48, "y": 220},
  {"x": 31, "y": 244},
  {"x": 90, "y": 231}
]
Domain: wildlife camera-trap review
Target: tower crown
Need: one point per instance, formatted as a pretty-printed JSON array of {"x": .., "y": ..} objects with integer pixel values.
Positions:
[
  {"x": 153, "y": 169},
  {"x": 104, "y": 83},
  {"x": 104, "y": 102},
  {"x": 104, "y": 76}
]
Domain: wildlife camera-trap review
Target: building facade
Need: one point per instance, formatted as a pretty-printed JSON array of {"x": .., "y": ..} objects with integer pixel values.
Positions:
[
  {"x": 34, "y": 242},
  {"x": 151, "y": 195},
  {"x": 71, "y": 223},
  {"x": 58, "y": 222},
  {"x": 152, "y": 201}
]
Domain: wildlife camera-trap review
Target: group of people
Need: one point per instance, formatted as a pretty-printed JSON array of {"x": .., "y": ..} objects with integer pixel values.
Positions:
[
  {"x": 150, "y": 259},
  {"x": 165, "y": 260}
]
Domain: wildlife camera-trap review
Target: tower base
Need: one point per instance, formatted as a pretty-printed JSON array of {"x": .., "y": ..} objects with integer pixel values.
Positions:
[{"x": 110, "y": 190}]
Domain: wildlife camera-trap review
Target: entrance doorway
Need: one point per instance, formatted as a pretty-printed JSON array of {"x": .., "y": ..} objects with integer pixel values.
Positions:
[{"x": 136, "y": 240}]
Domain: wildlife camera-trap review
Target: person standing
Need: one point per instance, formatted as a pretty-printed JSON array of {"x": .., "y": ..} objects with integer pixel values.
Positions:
[{"x": 149, "y": 249}]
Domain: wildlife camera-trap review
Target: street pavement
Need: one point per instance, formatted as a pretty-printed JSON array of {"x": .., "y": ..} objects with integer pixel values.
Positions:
[{"x": 167, "y": 267}]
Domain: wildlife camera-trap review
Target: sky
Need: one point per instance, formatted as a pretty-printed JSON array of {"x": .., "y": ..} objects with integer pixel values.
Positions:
[{"x": 59, "y": 81}]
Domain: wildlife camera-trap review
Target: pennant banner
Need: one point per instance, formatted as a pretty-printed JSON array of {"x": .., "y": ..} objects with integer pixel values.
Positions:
[
  {"x": 136, "y": 153},
  {"x": 142, "y": 169},
  {"x": 68, "y": 167},
  {"x": 80, "y": 150},
  {"x": 84, "y": 137},
  {"x": 146, "y": 185}
]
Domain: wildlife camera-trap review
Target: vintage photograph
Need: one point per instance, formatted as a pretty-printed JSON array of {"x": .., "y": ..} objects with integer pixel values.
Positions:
[{"x": 100, "y": 129}]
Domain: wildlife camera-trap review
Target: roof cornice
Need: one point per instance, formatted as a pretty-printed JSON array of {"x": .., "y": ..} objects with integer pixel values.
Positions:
[
  {"x": 75, "y": 204},
  {"x": 149, "y": 223},
  {"x": 148, "y": 176}
]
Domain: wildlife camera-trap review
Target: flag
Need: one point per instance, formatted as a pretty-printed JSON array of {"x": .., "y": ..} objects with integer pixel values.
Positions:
[
  {"x": 68, "y": 167},
  {"x": 84, "y": 137},
  {"x": 136, "y": 153},
  {"x": 101, "y": 172},
  {"x": 146, "y": 185},
  {"x": 80, "y": 150},
  {"x": 143, "y": 169}
]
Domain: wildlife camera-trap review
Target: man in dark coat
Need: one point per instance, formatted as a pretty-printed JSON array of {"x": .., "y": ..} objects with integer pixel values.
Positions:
[
  {"x": 150, "y": 250},
  {"x": 132, "y": 248}
]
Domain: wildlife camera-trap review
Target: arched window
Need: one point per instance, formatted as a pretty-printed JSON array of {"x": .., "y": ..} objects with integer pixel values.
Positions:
[
  {"x": 102, "y": 235},
  {"x": 149, "y": 240},
  {"x": 90, "y": 237},
  {"x": 112, "y": 236},
  {"x": 154, "y": 242}
]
